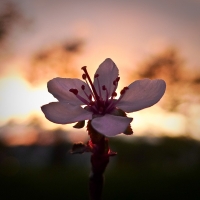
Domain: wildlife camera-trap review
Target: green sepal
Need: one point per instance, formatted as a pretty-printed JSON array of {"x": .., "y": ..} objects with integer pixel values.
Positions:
[
  {"x": 80, "y": 124},
  {"x": 78, "y": 148}
]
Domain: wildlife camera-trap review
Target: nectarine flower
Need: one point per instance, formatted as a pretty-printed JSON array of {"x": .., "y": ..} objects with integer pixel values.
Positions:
[{"x": 96, "y": 101}]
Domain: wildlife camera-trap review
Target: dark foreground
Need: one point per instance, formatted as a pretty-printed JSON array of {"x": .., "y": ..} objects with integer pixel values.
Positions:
[{"x": 160, "y": 169}]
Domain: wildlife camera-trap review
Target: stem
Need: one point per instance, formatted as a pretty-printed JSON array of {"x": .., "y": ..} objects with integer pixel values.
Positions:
[
  {"x": 96, "y": 179},
  {"x": 99, "y": 161},
  {"x": 99, "y": 147}
]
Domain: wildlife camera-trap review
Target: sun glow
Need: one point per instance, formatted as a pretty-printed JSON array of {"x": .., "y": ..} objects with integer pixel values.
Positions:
[
  {"x": 19, "y": 99},
  {"x": 155, "y": 121}
]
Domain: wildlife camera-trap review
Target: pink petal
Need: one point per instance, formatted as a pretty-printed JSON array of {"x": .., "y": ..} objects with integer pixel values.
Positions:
[
  {"x": 111, "y": 125},
  {"x": 60, "y": 87},
  {"x": 142, "y": 94},
  {"x": 107, "y": 72},
  {"x": 63, "y": 113}
]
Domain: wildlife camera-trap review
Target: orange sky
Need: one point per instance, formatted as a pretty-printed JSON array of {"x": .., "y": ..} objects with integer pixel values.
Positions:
[{"x": 126, "y": 31}]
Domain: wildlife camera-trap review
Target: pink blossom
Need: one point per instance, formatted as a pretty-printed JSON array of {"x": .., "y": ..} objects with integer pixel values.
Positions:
[{"x": 96, "y": 101}]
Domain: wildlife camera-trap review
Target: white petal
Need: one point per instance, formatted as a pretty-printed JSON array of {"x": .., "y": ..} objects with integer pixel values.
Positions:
[
  {"x": 63, "y": 113},
  {"x": 111, "y": 125},
  {"x": 142, "y": 94},
  {"x": 108, "y": 72},
  {"x": 60, "y": 87}
]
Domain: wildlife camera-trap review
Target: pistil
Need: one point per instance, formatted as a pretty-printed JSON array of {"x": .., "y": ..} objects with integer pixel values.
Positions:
[{"x": 99, "y": 105}]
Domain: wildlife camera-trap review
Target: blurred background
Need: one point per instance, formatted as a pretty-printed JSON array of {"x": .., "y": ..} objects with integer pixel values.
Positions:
[{"x": 43, "y": 39}]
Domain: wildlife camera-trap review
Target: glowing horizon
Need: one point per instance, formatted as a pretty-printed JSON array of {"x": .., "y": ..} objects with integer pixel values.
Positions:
[
  {"x": 28, "y": 100},
  {"x": 126, "y": 31}
]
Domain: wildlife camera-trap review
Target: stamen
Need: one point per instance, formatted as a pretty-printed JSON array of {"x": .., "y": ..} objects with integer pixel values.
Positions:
[
  {"x": 83, "y": 87},
  {"x": 75, "y": 92},
  {"x": 113, "y": 103},
  {"x": 84, "y": 68},
  {"x": 82, "y": 99},
  {"x": 114, "y": 94},
  {"x": 115, "y": 83},
  {"x": 84, "y": 76},
  {"x": 104, "y": 88},
  {"x": 91, "y": 84},
  {"x": 124, "y": 90},
  {"x": 117, "y": 79},
  {"x": 96, "y": 76},
  {"x": 88, "y": 96}
]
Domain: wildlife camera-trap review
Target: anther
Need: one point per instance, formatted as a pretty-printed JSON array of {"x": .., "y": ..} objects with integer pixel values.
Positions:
[
  {"x": 114, "y": 94},
  {"x": 84, "y": 76},
  {"x": 84, "y": 68},
  {"x": 116, "y": 81},
  {"x": 96, "y": 75},
  {"x": 103, "y": 87},
  {"x": 83, "y": 87},
  {"x": 124, "y": 90},
  {"x": 74, "y": 91}
]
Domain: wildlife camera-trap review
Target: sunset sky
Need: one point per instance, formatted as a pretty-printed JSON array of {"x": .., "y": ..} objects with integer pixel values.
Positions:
[{"x": 127, "y": 31}]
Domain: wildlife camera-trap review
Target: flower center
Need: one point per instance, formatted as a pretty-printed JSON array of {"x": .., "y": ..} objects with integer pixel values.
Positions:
[{"x": 95, "y": 100}]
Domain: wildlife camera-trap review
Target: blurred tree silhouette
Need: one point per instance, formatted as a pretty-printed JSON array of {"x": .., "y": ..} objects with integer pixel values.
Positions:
[
  {"x": 12, "y": 24},
  {"x": 11, "y": 20},
  {"x": 49, "y": 62},
  {"x": 8, "y": 18},
  {"x": 58, "y": 60},
  {"x": 167, "y": 65},
  {"x": 182, "y": 82}
]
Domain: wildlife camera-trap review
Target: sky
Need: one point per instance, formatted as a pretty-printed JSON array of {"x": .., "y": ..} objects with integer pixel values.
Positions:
[{"x": 127, "y": 31}]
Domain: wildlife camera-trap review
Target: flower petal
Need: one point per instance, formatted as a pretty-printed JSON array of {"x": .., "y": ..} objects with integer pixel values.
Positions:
[
  {"x": 63, "y": 113},
  {"x": 142, "y": 94},
  {"x": 110, "y": 125},
  {"x": 60, "y": 87},
  {"x": 107, "y": 72}
]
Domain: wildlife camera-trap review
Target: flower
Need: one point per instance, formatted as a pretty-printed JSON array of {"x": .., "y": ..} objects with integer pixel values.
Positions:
[{"x": 106, "y": 114}]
